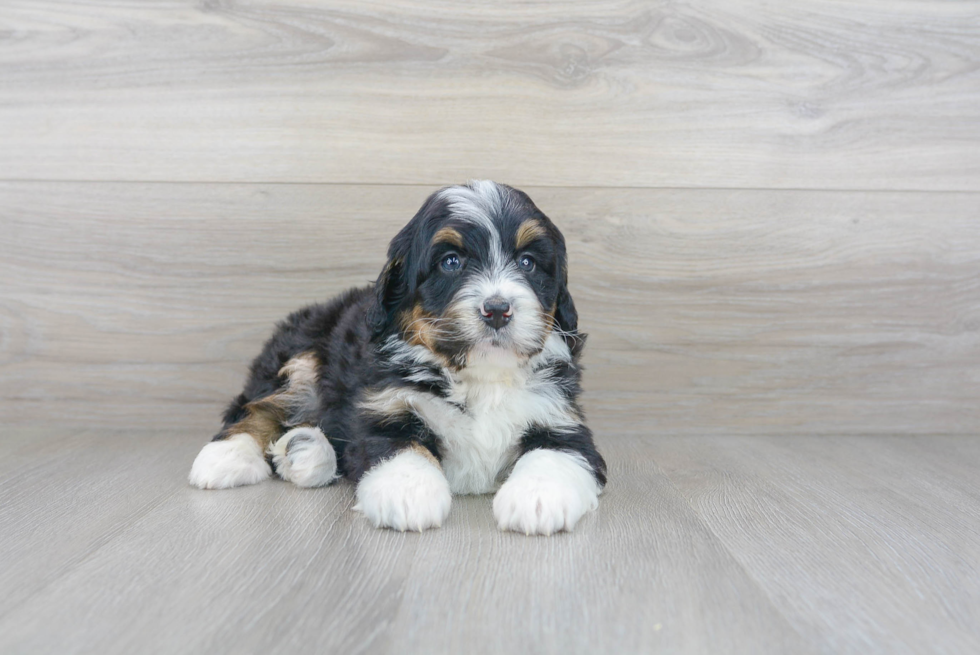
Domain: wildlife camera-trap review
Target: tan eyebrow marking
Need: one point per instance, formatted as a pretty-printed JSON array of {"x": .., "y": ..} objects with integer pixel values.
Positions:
[
  {"x": 529, "y": 230},
  {"x": 448, "y": 235}
]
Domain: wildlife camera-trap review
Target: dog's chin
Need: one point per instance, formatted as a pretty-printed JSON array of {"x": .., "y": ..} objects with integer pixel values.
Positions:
[
  {"x": 493, "y": 355},
  {"x": 499, "y": 351}
]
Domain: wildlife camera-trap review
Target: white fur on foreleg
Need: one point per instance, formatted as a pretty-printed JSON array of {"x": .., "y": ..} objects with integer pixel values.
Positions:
[
  {"x": 406, "y": 492},
  {"x": 232, "y": 462},
  {"x": 304, "y": 457},
  {"x": 548, "y": 491}
]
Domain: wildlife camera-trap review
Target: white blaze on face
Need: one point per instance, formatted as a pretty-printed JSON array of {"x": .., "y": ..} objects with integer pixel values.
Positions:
[{"x": 478, "y": 203}]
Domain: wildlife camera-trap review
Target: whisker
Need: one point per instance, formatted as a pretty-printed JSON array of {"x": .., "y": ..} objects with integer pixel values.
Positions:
[{"x": 565, "y": 333}]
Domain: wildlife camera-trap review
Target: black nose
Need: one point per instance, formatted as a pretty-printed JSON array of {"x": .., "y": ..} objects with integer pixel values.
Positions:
[{"x": 496, "y": 312}]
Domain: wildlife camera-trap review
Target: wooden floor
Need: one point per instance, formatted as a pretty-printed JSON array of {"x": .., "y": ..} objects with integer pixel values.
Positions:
[
  {"x": 700, "y": 545},
  {"x": 773, "y": 219}
]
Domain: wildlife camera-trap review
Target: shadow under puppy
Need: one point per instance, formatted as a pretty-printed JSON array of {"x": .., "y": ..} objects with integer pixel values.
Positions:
[{"x": 457, "y": 372}]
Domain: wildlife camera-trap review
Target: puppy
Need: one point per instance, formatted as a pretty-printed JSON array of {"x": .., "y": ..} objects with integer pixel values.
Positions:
[{"x": 456, "y": 373}]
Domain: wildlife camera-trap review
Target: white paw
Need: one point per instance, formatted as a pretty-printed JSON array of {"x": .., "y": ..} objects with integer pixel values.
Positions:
[
  {"x": 231, "y": 462},
  {"x": 406, "y": 492},
  {"x": 304, "y": 457},
  {"x": 547, "y": 491}
]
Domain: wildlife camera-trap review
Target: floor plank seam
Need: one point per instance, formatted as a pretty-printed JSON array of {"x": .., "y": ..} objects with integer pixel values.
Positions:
[
  {"x": 110, "y": 537},
  {"x": 738, "y": 562},
  {"x": 435, "y": 184}
]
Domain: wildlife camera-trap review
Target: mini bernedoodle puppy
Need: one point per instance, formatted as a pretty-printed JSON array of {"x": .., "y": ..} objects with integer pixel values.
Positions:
[{"x": 456, "y": 373}]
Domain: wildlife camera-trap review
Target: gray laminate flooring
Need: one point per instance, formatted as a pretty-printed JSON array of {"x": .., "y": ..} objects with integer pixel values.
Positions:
[
  {"x": 700, "y": 545},
  {"x": 771, "y": 213}
]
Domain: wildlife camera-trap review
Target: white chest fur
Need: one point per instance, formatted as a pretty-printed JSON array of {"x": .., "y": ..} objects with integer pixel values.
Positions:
[
  {"x": 481, "y": 423},
  {"x": 481, "y": 441},
  {"x": 490, "y": 405}
]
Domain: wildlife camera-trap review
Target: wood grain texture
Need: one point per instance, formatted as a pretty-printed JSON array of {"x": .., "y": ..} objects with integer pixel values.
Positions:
[
  {"x": 725, "y": 312},
  {"x": 274, "y": 568},
  {"x": 817, "y": 94},
  {"x": 64, "y": 494},
  {"x": 700, "y": 545},
  {"x": 861, "y": 542},
  {"x": 177, "y": 175},
  {"x": 609, "y": 587}
]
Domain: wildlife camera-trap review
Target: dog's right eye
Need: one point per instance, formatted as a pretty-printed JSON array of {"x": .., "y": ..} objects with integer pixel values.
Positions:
[{"x": 451, "y": 262}]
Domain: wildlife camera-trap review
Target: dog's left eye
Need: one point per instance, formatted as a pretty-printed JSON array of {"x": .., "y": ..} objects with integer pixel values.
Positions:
[
  {"x": 526, "y": 263},
  {"x": 451, "y": 262}
]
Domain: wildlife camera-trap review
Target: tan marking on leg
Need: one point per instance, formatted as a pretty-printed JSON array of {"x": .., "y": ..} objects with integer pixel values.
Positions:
[
  {"x": 448, "y": 235},
  {"x": 267, "y": 418},
  {"x": 263, "y": 421},
  {"x": 388, "y": 404},
  {"x": 529, "y": 230},
  {"x": 426, "y": 453},
  {"x": 300, "y": 398},
  {"x": 301, "y": 369}
]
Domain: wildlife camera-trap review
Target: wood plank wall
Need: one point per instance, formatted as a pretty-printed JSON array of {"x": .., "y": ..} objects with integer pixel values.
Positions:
[{"x": 773, "y": 211}]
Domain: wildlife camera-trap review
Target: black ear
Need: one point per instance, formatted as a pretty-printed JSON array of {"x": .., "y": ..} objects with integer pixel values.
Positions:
[
  {"x": 565, "y": 310},
  {"x": 567, "y": 318},
  {"x": 399, "y": 278},
  {"x": 389, "y": 291}
]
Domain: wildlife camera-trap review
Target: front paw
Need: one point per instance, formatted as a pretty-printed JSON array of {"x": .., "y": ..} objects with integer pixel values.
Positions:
[
  {"x": 304, "y": 457},
  {"x": 547, "y": 492},
  {"x": 406, "y": 492}
]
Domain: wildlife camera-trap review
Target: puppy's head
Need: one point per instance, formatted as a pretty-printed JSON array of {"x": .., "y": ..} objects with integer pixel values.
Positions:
[{"x": 479, "y": 273}]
